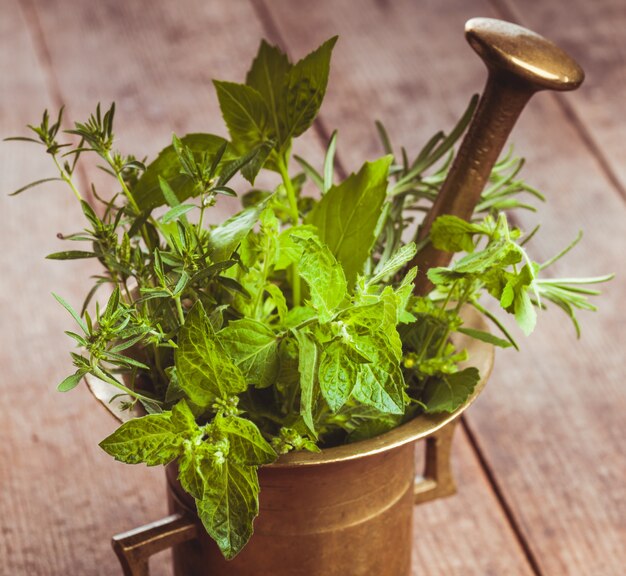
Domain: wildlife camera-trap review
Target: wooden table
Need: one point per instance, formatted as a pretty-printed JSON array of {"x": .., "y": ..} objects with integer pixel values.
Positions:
[{"x": 539, "y": 460}]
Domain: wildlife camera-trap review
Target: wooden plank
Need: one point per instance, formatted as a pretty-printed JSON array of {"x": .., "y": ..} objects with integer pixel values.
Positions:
[
  {"x": 48, "y": 520},
  {"x": 593, "y": 32},
  {"x": 548, "y": 424}
]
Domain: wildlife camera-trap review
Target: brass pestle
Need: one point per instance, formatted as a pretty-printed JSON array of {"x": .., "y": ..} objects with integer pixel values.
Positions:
[{"x": 520, "y": 63}]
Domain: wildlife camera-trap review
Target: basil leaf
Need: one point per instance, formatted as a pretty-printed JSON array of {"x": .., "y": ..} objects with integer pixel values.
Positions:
[
  {"x": 347, "y": 215},
  {"x": 229, "y": 504},
  {"x": 306, "y": 87},
  {"x": 267, "y": 75},
  {"x": 204, "y": 370},
  {"x": 147, "y": 192},
  {"x": 247, "y": 445},
  {"x": 254, "y": 349},
  {"x": 153, "y": 439},
  {"x": 450, "y": 391},
  {"x": 323, "y": 274},
  {"x": 245, "y": 114}
]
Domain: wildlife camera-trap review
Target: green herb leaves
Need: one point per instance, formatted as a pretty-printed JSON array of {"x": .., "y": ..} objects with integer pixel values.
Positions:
[
  {"x": 205, "y": 372},
  {"x": 347, "y": 215},
  {"x": 279, "y": 100}
]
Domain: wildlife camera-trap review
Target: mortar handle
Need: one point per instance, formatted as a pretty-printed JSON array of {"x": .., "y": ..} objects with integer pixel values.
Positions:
[
  {"x": 134, "y": 548},
  {"x": 437, "y": 480}
]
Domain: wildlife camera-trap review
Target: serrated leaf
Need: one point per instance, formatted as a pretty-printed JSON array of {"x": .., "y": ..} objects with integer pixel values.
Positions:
[
  {"x": 148, "y": 193},
  {"x": 247, "y": 445},
  {"x": 397, "y": 261},
  {"x": 245, "y": 113},
  {"x": 204, "y": 370},
  {"x": 347, "y": 215},
  {"x": 267, "y": 76},
  {"x": 453, "y": 234},
  {"x": 305, "y": 89},
  {"x": 450, "y": 391},
  {"x": 229, "y": 505},
  {"x": 153, "y": 439},
  {"x": 337, "y": 375},
  {"x": 253, "y": 347},
  {"x": 323, "y": 274}
]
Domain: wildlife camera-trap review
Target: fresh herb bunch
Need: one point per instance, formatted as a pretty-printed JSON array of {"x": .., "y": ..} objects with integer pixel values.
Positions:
[{"x": 293, "y": 324}]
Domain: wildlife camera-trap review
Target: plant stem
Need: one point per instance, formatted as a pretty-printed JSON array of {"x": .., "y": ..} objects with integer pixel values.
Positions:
[
  {"x": 179, "y": 309},
  {"x": 67, "y": 178},
  {"x": 293, "y": 208}
]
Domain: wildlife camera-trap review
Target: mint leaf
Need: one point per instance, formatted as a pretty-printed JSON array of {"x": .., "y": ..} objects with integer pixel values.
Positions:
[
  {"x": 337, "y": 374},
  {"x": 346, "y": 216},
  {"x": 205, "y": 372},
  {"x": 247, "y": 445},
  {"x": 147, "y": 192},
  {"x": 306, "y": 87},
  {"x": 382, "y": 388},
  {"x": 254, "y": 348},
  {"x": 245, "y": 114},
  {"x": 308, "y": 360},
  {"x": 450, "y": 391},
  {"x": 393, "y": 265},
  {"x": 323, "y": 274},
  {"x": 452, "y": 234},
  {"x": 153, "y": 439}
]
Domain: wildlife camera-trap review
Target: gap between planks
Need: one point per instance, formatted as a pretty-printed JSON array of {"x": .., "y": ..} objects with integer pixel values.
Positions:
[
  {"x": 273, "y": 33},
  {"x": 508, "y": 12}
]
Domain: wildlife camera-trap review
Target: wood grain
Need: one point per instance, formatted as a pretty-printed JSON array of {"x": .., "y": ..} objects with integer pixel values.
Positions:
[{"x": 548, "y": 426}]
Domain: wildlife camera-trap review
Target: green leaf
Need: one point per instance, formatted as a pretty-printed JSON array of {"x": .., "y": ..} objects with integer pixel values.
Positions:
[
  {"x": 381, "y": 388},
  {"x": 176, "y": 212},
  {"x": 279, "y": 300},
  {"x": 347, "y": 215},
  {"x": 485, "y": 337},
  {"x": 224, "y": 239},
  {"x": 70, "y": 255},
  {"x": 153, "y": 439},
  {"x": 205, "y": 372},
  {"x": 397, "y": 261},
  {"x": 451, "y": 391},
  {"x": 245, "y": 114},
  {"x": 229, "y": 505},
  {"x": 254, "y": 349},
  {"x": 72, "y": 312},
  {"x": 323, "y": 274},
  {"x": 308, "y": 361},
  {"x": 267, "y": 76},
  {"x": 247, "y": 445},
  {"x": 71, "y": 381},
  {"x": 32, "y": 184},
  {"x": 147, "y": 192},
  {"x": 306, "y": 87},
  {"x": 256, "y": 160},
  {"x": 337, "y": 374},
  {"x": 453, "y": 234}
]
